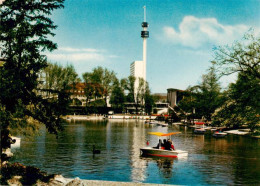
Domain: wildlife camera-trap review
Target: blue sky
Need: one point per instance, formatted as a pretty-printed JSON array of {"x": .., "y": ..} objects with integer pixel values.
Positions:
[{"x": 106, "y": 33}]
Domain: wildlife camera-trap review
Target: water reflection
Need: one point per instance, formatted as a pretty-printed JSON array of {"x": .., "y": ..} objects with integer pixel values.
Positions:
[
  {"x": 232, "y": 160},
  {"x": 165, "y": 165}
]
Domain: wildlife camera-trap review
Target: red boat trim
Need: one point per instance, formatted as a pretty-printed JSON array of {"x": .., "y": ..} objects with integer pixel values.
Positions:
[{"x": 159, "y": 155}]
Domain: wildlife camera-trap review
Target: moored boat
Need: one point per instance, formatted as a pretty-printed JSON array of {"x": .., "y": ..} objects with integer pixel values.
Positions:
[
  {"x": 219, "y": 134},
  {"x": 199, "y": 130}
]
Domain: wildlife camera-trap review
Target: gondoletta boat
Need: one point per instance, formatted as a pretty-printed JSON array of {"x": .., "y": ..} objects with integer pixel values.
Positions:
[{"x": 159, "y": 152}]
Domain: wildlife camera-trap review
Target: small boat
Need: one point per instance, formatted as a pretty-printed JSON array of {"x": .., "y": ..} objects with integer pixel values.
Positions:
[
  {"x": 17, "y": 142},
  {"x": 159, "y": 152},
  {"x": 219, "y": 134},
  {"x": 199, "y": 130},
  {"x": 150, "y": 151},
  {"x": 151, "y": 122},
  {"x": 162, "y": 124}
]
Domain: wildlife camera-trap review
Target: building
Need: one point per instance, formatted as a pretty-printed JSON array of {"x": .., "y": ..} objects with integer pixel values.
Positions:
[{"x": 174, "y": 96}]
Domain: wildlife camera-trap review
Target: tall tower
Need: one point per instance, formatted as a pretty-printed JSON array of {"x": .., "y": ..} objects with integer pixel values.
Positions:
[{"x": 144, "y": 35}]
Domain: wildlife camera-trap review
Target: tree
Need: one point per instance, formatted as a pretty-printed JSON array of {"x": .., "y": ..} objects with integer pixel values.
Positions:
[
  {"x": 117, "y": 96},
  {"x": 149, "y": 100},
  {"x": 57, "y": 77},
  {"x": 204, "y": 98},
  {"x": 24, "y": 33},
  {"x": 241, "y": 57},
  {"x": 208, "y": 95},
  {"x": 242, "y": 106},
  {"x": 129, "y": 85},
  {"x": 103, "y": 79},
  {"x": 140, "y": 94},
  {"x": 93, "y": 89}
]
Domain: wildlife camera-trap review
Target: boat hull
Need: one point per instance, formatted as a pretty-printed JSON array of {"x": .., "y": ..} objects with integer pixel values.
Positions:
[
  {"x": 199, "y": 131},
  {"x": 219, "y": 135},
  {"x": 149, "y": 151}
]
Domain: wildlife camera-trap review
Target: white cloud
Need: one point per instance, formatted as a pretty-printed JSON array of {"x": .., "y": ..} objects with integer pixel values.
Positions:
[
  {"x": 197, "y": 32},
  {"x": 69, "y": 49},
  {"x": 69, "y": 54},
  {"x": 76, "y": 57}
]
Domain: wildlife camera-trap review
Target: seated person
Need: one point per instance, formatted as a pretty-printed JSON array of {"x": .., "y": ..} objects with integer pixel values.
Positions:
[
  {"x": 164, "y": 144},
  {"x": 167, "y": 145},
  {"x": 158, "y": 145},
  {"x": 172, "y": 146}
]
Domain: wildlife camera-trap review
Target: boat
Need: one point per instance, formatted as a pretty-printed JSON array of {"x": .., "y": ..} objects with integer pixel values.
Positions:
[
  {"x": 151, "y": 122},
  {"x": 199, "y": 130},
  {"x": 152, "y": 151},
  {"x": 17, "y": 142},
  {"x": 162, "y": 124},
  {"x": 219, "y": 134}
]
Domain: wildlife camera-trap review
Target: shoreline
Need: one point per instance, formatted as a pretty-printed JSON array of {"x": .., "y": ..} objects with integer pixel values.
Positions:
[
  {"x": 59, "y": 180},
  {"x": 114, "y": 116},
  {"x": 240, "y": 132}
]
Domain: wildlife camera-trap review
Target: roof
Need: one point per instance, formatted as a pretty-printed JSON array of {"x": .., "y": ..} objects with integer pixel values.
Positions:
[{"x": 163, "y": 134}]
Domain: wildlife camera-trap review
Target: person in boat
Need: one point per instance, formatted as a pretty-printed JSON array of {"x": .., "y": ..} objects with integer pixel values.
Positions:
[
  {"x": 164, "y": 144},
  {"x": 172, "y": 146},
  {"x": 159, "y": 145},
  {"x": 167, "y": 145}
]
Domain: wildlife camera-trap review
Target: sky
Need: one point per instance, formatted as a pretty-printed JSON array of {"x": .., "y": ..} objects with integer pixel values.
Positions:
[{"x": 183, "y": 33}]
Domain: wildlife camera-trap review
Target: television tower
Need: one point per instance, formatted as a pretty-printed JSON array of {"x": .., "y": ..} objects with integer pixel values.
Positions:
[{"x": 144, "y": 35}]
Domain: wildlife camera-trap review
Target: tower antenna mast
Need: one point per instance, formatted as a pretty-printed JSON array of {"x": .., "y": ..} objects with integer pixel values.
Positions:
[{"x": 144, "y": 13}]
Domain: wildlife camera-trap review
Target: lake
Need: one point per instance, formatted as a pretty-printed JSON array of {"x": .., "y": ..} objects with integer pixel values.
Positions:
[{"x": 231, "y": 160}]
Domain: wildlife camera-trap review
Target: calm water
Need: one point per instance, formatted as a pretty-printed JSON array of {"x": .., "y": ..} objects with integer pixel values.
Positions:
[{"x": 232, "y": 160}]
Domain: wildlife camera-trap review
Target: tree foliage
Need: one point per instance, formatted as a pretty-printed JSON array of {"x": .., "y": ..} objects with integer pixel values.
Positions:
[
  {"x": 242, "y": 105},
  {"x": 203, "y": 98},
  {"x": 99, "y": 83},
  {"x": 129, "y": 86},
  {"x": 24, "y": 34},
  {"x": 58, "y": 78},
  {"x": 242, "y": 56},
  {"x": 243, "y": 97},
  {"x": 117, "y": 98},
  {"x": 149, "y": 100}
]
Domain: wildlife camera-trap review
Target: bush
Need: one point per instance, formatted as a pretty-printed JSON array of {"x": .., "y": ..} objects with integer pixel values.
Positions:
[{"x": 29, "y": 175}]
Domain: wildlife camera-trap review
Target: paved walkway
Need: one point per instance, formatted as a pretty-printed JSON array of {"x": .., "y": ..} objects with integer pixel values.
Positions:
[{"x": 61, "y": 181}]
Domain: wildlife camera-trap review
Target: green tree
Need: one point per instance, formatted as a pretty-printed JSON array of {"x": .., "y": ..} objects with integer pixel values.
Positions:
[
  {"x": 102, "y": 80},
  {"x": 140, "y": 94},
  {"x": 117, "y": 98},
  {"x": 208, "y": 95},
  {"x": 58, "y": 81},
  {"x": 24, "y": 34},
  {"x": 202, "y": 100},
  {"x": 149, "y": 100},
  {"x": 243, "y": 56},
  {"x": 57, "y": 77},
  {"x": 242, "y": 106},
  {"x": 129, "y": 86}
]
